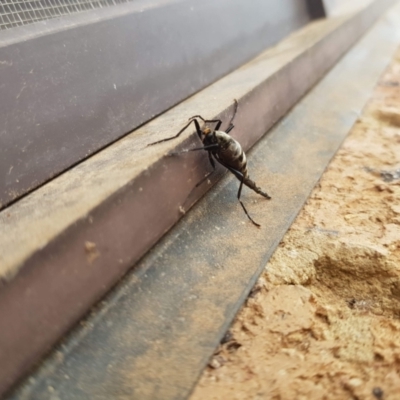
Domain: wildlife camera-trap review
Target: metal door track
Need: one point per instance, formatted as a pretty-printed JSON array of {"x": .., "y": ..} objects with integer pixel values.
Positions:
[
  {"x": 63, "y": 246},
  {"x": 152, "y": 336}
]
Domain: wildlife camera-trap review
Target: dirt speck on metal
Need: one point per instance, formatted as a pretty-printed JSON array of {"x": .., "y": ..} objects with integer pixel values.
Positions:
[
  {"x": 91, "y": 251},
  {"x": 324, "y": 320}
]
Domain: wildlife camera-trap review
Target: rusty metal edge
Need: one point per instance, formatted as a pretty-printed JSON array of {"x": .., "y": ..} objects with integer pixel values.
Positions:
[
  {"x": 59, "y": 283},
  {"x": 152, "y": 336}
]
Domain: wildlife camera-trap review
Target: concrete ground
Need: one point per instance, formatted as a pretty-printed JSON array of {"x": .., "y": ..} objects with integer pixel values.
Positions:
[{"x": 323, "y": 320}]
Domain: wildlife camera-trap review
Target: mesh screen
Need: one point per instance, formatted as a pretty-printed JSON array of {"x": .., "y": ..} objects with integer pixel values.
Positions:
[{"x": 15, "y": 12}]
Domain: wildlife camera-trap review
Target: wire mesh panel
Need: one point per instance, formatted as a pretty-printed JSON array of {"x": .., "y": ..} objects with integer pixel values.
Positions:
[{"x": 15, "y": 12}]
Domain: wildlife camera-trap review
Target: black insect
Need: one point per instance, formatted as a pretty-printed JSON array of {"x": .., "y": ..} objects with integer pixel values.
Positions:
[{"x": 225, "y": 149}]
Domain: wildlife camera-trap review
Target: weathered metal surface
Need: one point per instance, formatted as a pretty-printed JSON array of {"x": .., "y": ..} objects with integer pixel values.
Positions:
[
  {"x": 71, "y": 86},
  {"x": 67, "y": 243},
  {"x": 152, "y": 336}
]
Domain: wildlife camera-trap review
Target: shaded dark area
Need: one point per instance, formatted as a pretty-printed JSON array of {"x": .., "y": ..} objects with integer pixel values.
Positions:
[{"x": 316, "y": 9}]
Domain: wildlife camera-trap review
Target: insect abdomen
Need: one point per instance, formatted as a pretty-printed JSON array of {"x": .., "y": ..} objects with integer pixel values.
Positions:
[
  {"x": 231, "y": 153},
  {"x": 242, "y": 164}
]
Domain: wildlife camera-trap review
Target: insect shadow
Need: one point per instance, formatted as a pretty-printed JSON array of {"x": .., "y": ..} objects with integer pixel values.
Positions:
[{"x": 224, "y": 149}]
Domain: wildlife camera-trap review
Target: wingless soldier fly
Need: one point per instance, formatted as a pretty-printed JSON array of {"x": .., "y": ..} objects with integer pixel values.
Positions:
[{"x": 223, "y": 148}]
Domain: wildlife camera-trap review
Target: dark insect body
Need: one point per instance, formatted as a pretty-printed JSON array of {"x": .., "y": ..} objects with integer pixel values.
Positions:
[{"x": 223, "y": 148}]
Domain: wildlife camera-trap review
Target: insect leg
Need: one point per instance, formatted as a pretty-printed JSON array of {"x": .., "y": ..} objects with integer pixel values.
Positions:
[
  {"x": 198, "y": 130},
  {"x": 243, "y": 180},
  {"x": 211, "y": 160},
  {"x": 249, "y": 183},
  {"x": 241, "y": 203},
  {"x": 210, "y": 173},
  {"x": 231, "y": 126},
  {"x": 218, "y": 121}
]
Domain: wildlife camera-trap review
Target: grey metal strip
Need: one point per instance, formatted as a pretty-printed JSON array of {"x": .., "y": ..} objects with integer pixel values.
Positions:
[
  {"x": 152, "y": 336},
  {"x": 73, "y": 85}
]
